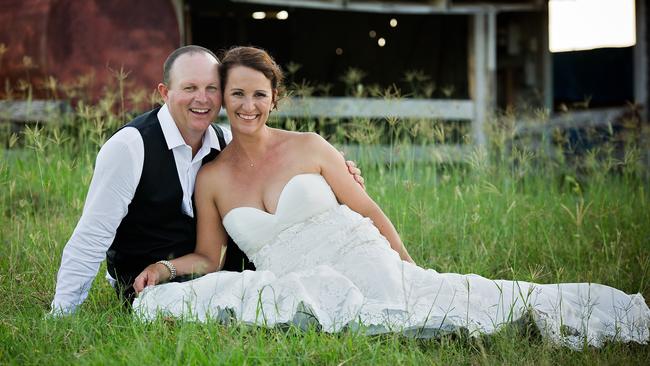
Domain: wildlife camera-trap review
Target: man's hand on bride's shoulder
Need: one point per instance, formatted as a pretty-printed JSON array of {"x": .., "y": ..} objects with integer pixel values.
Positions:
[
  {"x": 356, "y": 172},
  {"x": 150, "y": 276}
]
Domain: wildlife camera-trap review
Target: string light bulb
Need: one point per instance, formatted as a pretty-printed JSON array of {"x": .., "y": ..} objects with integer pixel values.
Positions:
[{"x": 282, "y": 15}]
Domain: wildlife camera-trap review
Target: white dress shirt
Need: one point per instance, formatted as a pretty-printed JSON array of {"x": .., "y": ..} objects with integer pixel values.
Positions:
[{"x": 117, "y": 173}]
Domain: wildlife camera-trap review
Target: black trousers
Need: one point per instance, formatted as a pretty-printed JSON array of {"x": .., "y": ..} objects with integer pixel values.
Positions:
[
  {"x": 236, "y": 261},
  {"x": 126, "y": 293}
]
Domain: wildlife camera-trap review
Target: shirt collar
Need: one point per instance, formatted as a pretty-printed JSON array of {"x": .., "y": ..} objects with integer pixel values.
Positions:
[{"x": 174, "y": 138}]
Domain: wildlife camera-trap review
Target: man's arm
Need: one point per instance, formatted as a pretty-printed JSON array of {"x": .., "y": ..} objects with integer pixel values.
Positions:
[
  {"x": 211, "y": 237},
  {"x": 117, "y": 172},
  {"x": 354, "y": 170}
]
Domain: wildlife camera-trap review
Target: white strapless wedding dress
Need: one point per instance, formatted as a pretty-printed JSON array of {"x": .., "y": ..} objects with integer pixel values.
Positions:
[{"x": 318, "y": 262}]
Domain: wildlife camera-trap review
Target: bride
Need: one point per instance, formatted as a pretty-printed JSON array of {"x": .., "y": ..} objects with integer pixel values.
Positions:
[{"x": 326, "y": 254}]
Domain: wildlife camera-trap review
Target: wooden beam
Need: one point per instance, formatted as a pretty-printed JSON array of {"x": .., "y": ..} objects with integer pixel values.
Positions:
[
  {"x": 29, "y": 111},
  {"x": 500, "y": 8},
  {"x": 547, "y": 65},
  {"x": 436, "y": 6},
  {"x": 433, "y": 7},
  {"x": 491, "y": 61},
  {"x": 382, "y": 154},
  {"x": 478, "y": 75},
  {"x": 641, "y": 60},
  {"x": 179, "y": 9},
  {"x": 601, "y": 117},
  {"x": 343, "y": 107}
]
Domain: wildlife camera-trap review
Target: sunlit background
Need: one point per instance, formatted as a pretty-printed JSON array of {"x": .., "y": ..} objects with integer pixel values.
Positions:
[{"x": 587, "y": 24}]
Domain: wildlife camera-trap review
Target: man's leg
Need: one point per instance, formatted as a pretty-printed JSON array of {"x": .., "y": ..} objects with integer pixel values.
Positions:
[
  {"x": 124, "y": 290},
  {"x": 236, "y": 260}
]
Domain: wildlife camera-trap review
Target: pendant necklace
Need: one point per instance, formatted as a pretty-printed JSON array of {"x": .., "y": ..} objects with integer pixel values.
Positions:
[{"x": 250, "y": 161}]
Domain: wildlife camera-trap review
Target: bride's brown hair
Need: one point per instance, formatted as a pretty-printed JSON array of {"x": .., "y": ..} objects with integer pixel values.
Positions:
[{"x": 256, "y": 59}]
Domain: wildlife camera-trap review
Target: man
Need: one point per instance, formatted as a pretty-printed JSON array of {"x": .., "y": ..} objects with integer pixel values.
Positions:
[{"x": 139, "y": 206}]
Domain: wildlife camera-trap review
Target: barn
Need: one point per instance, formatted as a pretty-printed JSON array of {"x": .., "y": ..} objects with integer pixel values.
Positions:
[{"x": 453, "y": 59}]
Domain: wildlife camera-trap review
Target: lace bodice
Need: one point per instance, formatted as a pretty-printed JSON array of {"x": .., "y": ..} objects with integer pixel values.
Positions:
[{"x": 306, "y": 208}]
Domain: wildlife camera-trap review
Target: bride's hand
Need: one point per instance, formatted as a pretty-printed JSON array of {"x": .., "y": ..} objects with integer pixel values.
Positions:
[{"x": 150, "y": 276}]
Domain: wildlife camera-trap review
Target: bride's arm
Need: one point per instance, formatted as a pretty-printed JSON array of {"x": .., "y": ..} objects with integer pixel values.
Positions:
[
  {"x": 350, "y": 193},
  {"x": 211, "y": 239}
]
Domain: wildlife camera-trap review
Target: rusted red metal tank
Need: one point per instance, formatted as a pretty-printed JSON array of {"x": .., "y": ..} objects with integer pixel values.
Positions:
[{"x": 82, "y": 44}]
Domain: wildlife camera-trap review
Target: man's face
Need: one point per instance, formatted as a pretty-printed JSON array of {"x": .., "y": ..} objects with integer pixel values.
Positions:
[{"x": 193, "y": 95}]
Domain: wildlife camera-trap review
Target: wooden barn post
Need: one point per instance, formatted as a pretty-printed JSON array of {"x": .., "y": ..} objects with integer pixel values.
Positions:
[
  {"x": 181, "y": 17},
  {"x": 641, "y": 60},
  {"x": 482, "y": 70},
  {"x": 547, "y": 62}
]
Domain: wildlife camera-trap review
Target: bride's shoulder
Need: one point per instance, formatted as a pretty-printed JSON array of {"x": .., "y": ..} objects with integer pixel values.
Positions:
[
  {"x": 303, "y": 143},
  {"x": 305, "y": 139}
]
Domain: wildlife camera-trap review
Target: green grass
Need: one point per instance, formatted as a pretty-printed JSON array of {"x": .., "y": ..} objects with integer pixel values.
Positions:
[{"x": 507, "y": 214}]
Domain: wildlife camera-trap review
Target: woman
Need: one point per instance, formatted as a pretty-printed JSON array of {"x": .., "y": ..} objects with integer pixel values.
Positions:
[{"x": 326, "y": 253}]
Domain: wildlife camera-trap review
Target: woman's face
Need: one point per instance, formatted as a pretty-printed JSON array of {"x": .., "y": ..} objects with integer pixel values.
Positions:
[{"x": 248, "y": 99}]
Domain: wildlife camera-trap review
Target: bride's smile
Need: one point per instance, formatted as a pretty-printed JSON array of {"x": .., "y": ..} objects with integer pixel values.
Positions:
[{"x": 248, "y": 99}]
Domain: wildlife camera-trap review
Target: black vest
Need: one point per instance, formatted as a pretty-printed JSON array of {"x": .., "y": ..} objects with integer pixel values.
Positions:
[{"x": 155, "y": 226}]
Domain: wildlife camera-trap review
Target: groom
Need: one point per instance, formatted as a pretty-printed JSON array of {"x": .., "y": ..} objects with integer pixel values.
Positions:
[{"x": 139, "y": 207}]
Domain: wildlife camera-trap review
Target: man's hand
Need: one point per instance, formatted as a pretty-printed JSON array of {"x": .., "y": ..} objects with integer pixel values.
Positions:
[
  {"x": 356, "y": 173},
  {"x": 150, "y": 276}
]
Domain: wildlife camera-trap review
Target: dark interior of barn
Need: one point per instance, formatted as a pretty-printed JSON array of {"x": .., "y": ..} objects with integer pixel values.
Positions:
[
  {"x": 327, "y": 43},
  {"x": 432, "y": 48}
]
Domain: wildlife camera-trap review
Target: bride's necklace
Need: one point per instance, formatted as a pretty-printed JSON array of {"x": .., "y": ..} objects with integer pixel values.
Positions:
[{"x": 248, "y": 161}]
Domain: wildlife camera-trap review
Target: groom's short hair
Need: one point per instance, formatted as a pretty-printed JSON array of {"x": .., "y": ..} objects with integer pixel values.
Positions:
[{"x": 190, "y": 49}]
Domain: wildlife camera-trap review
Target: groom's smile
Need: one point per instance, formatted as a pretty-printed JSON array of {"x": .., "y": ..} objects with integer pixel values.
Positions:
[{"x": 200, "y": 111}]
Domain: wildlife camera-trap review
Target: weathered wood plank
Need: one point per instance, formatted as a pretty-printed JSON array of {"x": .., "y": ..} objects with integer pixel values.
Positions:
[
  {"x": 641, "y": 60},
  {"x": 432, "y": 7},
  {"x": 576, "y": 119},
  {"x": 410, "y": 153},
  {"x": 32, "y": 111},
  {"x": 341, "y": 107},
  {"x": 547, "y": 63},
  {"x": 478, "y": 78}
]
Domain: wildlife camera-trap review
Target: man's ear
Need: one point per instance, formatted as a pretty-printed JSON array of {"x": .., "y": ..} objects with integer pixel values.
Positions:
[{"x": 164, "y": 91}]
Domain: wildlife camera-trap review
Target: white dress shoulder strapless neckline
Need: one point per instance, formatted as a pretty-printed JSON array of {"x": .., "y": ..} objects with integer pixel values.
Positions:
[
  {"x": 302, "y": 197},
  {"x": 318, "y": 262}
]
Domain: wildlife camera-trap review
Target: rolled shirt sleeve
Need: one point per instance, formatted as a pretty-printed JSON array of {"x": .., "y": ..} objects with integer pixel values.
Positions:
[{"x": 117, "y": 172}]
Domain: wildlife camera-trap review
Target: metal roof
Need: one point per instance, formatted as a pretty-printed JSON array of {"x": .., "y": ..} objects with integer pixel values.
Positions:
[{"x": 407, "y": 6}]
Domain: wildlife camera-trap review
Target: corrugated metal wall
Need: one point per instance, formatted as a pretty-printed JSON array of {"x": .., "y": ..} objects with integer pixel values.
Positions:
[{"x": 71, "y": 39}]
